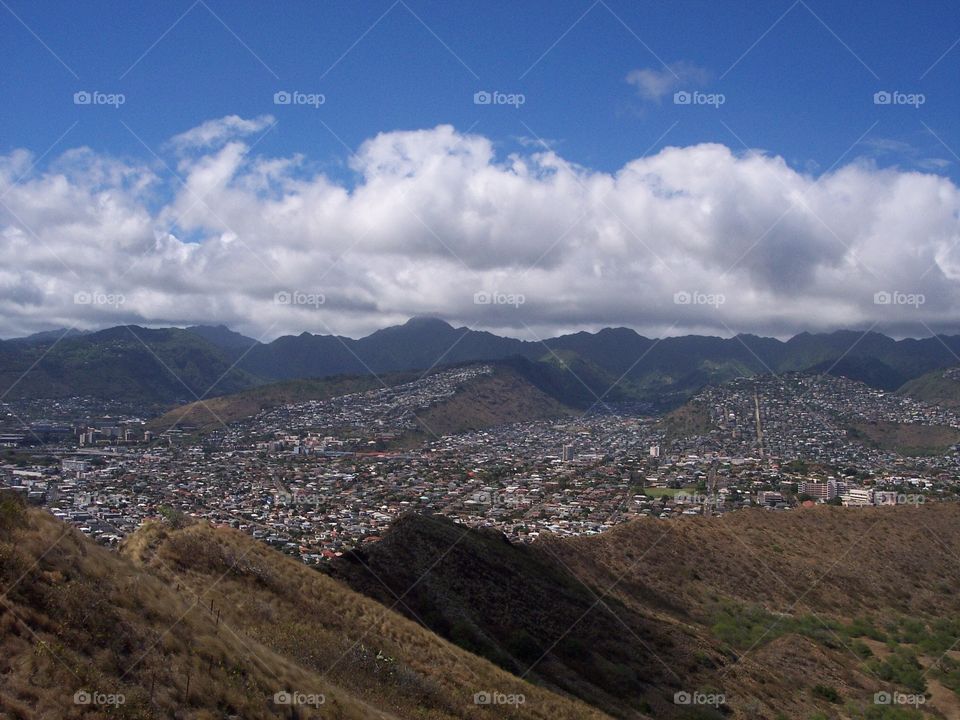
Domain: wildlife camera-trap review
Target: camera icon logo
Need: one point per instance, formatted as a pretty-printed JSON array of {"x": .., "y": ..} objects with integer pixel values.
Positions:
[
  {"x": 82, "y": 298},
  {"x": 282, "y": 698},
  {"x": 682, "y": 97},
  {"x": 82, "y": 697},
  {"x": 282, "y": 97},
  {"x": 482, "y": 298},
  {"x": 482, "y": 97},
  {"x": 82, "y": 97},
  {"x": 682, "y": 697},
  {"x": 482, "y": 698},
  {"x": 682, "y": 298},
  {"x": 882, "y": 698},
  {"x": 882, "y": 298},
  {"x": 283, "y": 298},
  {"x": 882, "y": 97}
]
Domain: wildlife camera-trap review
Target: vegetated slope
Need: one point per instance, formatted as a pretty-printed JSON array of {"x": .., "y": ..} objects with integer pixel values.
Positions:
[
  {"x": 224, "y": 338},
  {"x": 906, "y": 438},
  {"x": 207, "y": 623},
  {"x": 869, "y": 371},
  {"x": 154, "y": 367},
  {"x": 421, "y": 342},
  {"x": 673, "y": 367},
  {"x": 691, "y": 418},
  {"x": 775, "y": 610},
  {"x": 940, "y": 387},
  {"x": 519, "y": 390},
  {"x": 213, "y": 413},
  {"x": 529, "y": 615},
  {"x": 497, "y": 399},
  {"x": 664, "y": 370}
]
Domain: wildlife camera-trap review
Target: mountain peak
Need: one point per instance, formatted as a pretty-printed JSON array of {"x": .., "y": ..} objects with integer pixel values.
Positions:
[{"x": 427, "y": 321}]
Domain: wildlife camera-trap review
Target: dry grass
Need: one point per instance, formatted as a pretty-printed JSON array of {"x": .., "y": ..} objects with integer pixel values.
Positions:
[
  {"x": 77, "y": 616},
  {"x": 493, "y": 400},
  {"x": 907, "y": 439},
  {"x": 811, "y": 568}
]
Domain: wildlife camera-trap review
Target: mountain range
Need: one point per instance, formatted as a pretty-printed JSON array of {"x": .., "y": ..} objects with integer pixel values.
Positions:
[{"x": 167, "y": 366}]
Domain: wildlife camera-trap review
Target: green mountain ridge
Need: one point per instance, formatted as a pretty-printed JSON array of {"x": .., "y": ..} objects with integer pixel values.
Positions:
[{"x": 172, "y": 366}]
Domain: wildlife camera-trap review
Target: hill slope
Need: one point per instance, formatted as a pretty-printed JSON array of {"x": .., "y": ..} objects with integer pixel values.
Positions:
[
  {"x": 207, "y": 623},
  {"x": 941, "y": 387},
  {"x": 497, "y": 399},
  {"x": 135, "y": 364},
  {"x": 518, "y": 390},
  {"x": 787, "y": 614},
  {"x": 212, "y": 413}
]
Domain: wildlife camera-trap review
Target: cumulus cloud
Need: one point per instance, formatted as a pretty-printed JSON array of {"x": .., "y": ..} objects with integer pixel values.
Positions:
[
  {"x": 655, "y": 83},
  {"x": 692, "y": 239}
]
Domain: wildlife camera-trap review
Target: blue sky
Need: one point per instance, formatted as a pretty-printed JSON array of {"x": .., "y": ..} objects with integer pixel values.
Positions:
[
  {"x": 798, "y": 78},
  {"x": 712, "y": 167}
]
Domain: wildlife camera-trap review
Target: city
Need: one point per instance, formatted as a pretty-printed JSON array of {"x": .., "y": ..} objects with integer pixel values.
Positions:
[{"x": 318, "y": 478}]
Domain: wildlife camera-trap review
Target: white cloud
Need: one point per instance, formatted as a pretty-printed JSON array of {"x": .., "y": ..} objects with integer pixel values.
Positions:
[
  {"x": 216, "y": 132},
  {"x": 656, "y": 83},
  {"x": 437, "y": 216}
]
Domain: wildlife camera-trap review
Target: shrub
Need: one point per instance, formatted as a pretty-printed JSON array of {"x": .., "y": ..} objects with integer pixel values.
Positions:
[{"x": 827, "y": 692}]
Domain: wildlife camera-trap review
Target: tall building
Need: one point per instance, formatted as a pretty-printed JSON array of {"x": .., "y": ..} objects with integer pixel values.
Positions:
[
  {"x": 654, "y": 451},
  {"x": 568, "y": 453},
  {"x": 819, "y": 490}
]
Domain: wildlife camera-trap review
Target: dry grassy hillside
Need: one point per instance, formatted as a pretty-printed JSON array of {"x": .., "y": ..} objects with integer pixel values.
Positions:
[
  {"x": 852, "y": 600},
  {"x": 212, "y": 413},
  {"x": 804, "y": 614},
  {"x": 496, "y": 399},
  {"x": 844, "y": 561},
  {"x": 77, "y": 617}
]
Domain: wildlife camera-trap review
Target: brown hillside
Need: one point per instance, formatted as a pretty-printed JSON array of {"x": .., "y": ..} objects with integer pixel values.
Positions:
[
  {"x": 491, "y": 400},
  {"x": 775, "y": 610},
  {"x": 76, "y": 616},
  {"x": 213, "y": 413}
]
